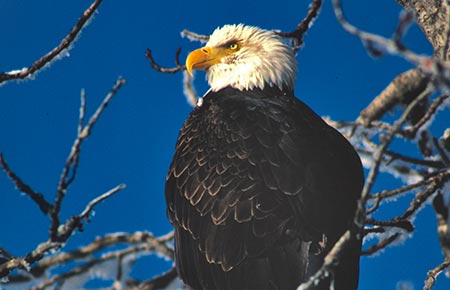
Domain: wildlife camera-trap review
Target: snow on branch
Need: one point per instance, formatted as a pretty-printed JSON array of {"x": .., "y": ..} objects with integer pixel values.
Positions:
[
  {"x": 57, "y": 52},
  {"x": 377, "y": 45},
  {"x": 59, "y": 233},
  {"x": 89, "y": 259}
]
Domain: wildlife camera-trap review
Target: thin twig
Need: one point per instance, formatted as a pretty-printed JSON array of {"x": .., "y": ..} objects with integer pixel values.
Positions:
[
  {"x": 411, "y": 132},
  {"x": 55, "y": 52},
  {"x": 194, "y": 36},
  {"x": 432, "y": 274},
  {"x": 5, "y": 253},
  {"x": 76, "y": 222},
  {"x": 157, "y": 67},
  {"x": 95, "y": 201},
  {"x": 445, "y": 159},
  {"x": 405, "y": 19},
  {"x": 303, "y": 26},
  {"x": 401, "y": 223},
  {"x": 374, "y": 230},
  {"x": 37, "y": 197},
  {"x": 390, "y": 193},
  {"x": 423, "y": 196},
  {"x": 158, "y": 282},
  {"x": 382, "y": 195},
  {"x": 82, "y": 111},
  {"x": 382, "y": 244},
  {"x": 397, "y": 156}
]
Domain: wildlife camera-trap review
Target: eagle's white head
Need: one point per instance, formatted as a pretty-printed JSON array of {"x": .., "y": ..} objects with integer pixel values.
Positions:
[{"x": 245, "y": 57}]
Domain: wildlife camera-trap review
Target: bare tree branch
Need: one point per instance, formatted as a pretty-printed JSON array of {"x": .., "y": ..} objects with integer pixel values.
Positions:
[
  {"x": 442, "y": 215},
  {"x": 61, "y": 278},
  {"x": 444, "y": 157},
  {"x": 303, "y": 26},
  {"x": 38, "y": 198},
  {"x": 433, "y": 18},
  {"x": 377, "y": 158},
  {"x": 411, "y": 132},
  {"x": 76, "y": 222},
  {"x": 382, "y": 244},
  {"x": 157, "y": 67},
  {"x": 70, "y": 168},
  {"x": 438, "y": 70},
  {"x": 432, "y": 274},
  {"x": 55, "y": 52},
  {"x": 414, "y": 161},
  {"x": 58, "y": 233},
  {"x": 158, "y": 282},
  {"x": 194, "y": 36},
  {"x": 158, "y": 244},
  {"x": 404, "y": 88},
  {"x": 97, "y": 200},
  {"x": 401, "y": 223}
]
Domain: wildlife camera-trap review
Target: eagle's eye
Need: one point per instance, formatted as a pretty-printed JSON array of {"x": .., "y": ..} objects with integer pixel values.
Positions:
[{"x": 233, "y": 46}]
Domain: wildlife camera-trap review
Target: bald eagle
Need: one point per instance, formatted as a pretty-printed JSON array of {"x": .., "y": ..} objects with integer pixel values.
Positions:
[{"x": 260, "y": 187}]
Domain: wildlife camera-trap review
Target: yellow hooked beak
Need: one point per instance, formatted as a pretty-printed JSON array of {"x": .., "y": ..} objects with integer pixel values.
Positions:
[{"x": 204, "y": 57}]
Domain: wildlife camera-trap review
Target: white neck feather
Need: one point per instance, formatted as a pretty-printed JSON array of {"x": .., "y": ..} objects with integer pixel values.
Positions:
[{"x": 263, "y": 59}]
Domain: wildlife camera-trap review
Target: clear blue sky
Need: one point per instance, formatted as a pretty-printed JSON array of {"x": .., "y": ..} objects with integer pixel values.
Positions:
[{"x": 134, "y": 140}]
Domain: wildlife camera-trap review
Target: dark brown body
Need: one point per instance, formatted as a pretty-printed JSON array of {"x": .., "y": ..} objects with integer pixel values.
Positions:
[{"x": 258, "y": 182}]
